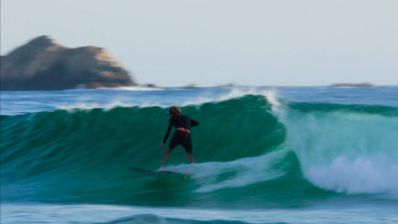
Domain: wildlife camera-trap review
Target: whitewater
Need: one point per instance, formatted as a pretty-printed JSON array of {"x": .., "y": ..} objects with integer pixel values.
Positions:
[{"x": 263, "y": 155}]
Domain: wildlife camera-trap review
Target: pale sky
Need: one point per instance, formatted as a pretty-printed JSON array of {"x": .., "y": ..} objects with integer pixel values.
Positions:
[{"x": 254, "y": 42}]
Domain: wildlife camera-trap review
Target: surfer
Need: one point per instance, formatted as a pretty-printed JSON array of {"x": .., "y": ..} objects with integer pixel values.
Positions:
[{"x": 182, "y": 135}]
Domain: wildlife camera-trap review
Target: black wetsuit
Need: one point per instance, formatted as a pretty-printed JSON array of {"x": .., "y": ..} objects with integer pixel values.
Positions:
[{"x": 180, "y": 137}]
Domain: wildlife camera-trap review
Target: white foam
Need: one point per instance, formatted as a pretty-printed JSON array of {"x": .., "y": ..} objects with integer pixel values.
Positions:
[
  {"x": 246, "y": 171},
  {"x": 362, "y": 175},
  {"x": 345, "y": 152}
]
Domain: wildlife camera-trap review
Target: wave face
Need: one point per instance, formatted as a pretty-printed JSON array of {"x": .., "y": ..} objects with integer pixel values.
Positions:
[{"x": 250, "y": 151}]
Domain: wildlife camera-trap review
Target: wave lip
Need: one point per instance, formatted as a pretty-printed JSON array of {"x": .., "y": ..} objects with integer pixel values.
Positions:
[{"x": 270, "y": 95}]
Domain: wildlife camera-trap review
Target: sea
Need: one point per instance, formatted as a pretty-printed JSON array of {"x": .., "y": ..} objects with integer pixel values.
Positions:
[{"x": 263, "y": 155}]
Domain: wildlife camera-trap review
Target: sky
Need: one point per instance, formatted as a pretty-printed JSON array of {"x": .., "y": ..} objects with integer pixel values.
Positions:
[{"x": 208, "y": 43}]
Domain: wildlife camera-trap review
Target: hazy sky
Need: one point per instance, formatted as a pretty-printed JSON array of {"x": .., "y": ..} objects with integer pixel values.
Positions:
[{"x": 175, "y": 43}]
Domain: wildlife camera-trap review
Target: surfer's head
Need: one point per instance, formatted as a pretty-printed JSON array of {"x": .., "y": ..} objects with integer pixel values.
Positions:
[{"x": 174, "y": 111}]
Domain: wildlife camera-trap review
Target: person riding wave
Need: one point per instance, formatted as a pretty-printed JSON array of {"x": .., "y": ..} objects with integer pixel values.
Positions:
[{"x": 182, "y": 135}]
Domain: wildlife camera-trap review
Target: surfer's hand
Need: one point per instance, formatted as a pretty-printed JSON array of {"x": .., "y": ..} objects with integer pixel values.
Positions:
[{"x": 161, "y": 145}]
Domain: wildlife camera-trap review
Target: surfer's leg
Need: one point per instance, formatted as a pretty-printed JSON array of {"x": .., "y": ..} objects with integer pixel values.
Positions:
[
  {"x": 166, "y": 156},
  {"x": 187, "y": 144},
  {"x": 173, "y": 143},
  {"x": 189, "y": 155}
]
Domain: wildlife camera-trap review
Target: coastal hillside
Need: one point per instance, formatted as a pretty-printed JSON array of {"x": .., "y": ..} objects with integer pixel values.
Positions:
[{"x": 43, "y": 64}]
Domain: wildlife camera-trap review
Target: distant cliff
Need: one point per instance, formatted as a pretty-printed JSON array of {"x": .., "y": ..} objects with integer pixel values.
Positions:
[{"x": 42, "y": 64}]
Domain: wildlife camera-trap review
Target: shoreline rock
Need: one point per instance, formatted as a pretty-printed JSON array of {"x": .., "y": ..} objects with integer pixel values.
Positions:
[{"x": 43, "y": 64}]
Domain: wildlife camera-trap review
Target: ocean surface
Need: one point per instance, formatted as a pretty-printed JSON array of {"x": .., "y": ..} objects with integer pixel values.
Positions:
[{"x": 263, "y": 155}]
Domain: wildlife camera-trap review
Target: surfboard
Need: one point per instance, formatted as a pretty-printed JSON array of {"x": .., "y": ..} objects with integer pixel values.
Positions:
[{"x": 159, "y": 172}]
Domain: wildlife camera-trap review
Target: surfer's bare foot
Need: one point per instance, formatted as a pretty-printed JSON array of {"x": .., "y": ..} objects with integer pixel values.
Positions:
[{"x": 161, "y": 168}]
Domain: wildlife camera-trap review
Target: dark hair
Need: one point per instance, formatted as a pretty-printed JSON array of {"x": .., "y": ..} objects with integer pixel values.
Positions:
[{"x": 174, "y": 111}]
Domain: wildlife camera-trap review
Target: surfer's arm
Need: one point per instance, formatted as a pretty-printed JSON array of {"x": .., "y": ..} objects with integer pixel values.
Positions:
[
  {"x": 168, "y": 132},
  {"x": 194, "y": 123}
]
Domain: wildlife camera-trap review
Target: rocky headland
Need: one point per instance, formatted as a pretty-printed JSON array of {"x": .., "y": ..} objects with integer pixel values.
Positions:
[{"x": 43, "y": 64}]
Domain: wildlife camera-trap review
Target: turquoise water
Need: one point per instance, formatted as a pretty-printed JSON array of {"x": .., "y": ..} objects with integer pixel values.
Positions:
[{"x": 263, "y": 155}]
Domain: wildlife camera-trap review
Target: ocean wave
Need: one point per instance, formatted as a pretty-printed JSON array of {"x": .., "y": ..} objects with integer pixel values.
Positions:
[{"x": 253, "y": 147}]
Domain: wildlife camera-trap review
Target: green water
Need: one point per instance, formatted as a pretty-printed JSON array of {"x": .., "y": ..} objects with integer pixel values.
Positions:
[{"x": 249, "y": 154}]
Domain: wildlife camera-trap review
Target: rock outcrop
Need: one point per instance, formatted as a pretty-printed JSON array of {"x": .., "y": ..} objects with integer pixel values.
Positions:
[{"x": 42, "y": 64}]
